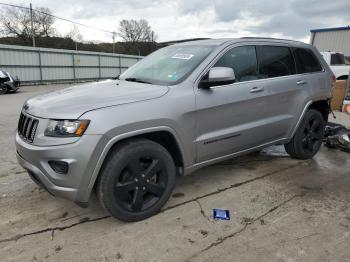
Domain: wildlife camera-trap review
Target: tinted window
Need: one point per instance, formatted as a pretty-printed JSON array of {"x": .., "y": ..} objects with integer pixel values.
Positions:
[
  {"x": 243, "y": 62},
  {"x": 337, "y": 59},
  {"x": 306, "y": 61},
  {"x": 275, "y": 61}
]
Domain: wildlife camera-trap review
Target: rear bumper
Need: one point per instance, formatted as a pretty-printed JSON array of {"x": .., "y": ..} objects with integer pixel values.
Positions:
[{"x": 82, "y": 157}]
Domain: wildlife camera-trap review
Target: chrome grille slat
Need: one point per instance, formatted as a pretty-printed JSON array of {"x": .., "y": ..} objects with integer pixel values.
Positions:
[
  {"x": 35, "y": 125},
  {"x": 27, "y": 127},
  {"x": 23, "y": 131},
  {"x": 20, "y": 122}
]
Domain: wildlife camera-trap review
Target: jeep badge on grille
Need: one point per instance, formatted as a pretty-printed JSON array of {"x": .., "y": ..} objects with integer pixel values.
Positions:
[{"x": 25, "y": 107}]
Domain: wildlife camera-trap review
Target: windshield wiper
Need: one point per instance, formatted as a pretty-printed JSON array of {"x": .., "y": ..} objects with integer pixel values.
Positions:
[{"x": 138, "y": 80}]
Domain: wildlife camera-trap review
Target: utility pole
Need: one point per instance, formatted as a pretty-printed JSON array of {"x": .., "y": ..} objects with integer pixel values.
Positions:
[
  {"x": 113, "y": 42},
  {"x": 153, "y": 45},
  {"x": 31, "y": 22}
]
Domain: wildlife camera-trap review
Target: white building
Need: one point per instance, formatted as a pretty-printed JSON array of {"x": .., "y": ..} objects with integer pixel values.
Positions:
[{"x": 335, "y": 39}]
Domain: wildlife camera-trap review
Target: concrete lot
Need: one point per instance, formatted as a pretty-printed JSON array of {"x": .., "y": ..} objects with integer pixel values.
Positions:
[{"x": 281, "y": 210}]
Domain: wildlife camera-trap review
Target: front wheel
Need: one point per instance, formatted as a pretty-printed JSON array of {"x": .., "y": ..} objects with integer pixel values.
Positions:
[
  {"x": 137, "y": 180},
  {"x": 308, "y": 138}
]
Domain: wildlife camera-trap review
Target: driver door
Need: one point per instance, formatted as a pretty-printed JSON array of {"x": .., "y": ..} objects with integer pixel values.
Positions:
[{"x": 234, "y": 117}]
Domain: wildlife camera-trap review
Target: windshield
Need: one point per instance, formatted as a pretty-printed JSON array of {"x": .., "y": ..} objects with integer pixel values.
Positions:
[{"x": 167, "y": 66}]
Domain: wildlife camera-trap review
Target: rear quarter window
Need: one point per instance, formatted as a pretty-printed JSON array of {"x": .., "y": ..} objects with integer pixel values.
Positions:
[{"x": 306, "y": 61}]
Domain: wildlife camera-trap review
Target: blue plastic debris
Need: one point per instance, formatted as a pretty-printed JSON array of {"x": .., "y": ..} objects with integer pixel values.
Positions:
[{"x": 221, "y": 214}]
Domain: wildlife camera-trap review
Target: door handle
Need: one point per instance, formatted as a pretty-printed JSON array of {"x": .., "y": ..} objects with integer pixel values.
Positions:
[
  {"x": 256, "y": 89},
  {"x": 301, "y": 82}
]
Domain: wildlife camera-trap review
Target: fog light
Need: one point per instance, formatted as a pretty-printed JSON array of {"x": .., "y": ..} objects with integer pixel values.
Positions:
[{"x": 59, "y": 167}]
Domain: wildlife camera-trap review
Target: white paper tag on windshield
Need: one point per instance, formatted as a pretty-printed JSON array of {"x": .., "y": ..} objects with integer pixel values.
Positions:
[{"x": 183, "y": 56}]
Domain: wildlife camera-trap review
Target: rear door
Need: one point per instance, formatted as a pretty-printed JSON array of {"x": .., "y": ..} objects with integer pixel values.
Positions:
[{"x": 287, "y": 89}]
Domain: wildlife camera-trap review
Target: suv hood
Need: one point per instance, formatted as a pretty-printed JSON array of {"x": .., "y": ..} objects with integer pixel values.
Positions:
[{"x": 72, "y": 102}]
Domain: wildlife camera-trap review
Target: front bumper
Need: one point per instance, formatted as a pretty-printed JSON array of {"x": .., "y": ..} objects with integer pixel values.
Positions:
[{"x": 82, "y": 157}]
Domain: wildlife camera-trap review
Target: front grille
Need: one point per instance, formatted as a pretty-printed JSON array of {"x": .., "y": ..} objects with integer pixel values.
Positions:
[{"x": 27, "y": 127}]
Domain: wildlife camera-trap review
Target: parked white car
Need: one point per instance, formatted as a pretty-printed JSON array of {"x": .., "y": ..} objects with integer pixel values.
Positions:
[{"x": 337, "y": 63}]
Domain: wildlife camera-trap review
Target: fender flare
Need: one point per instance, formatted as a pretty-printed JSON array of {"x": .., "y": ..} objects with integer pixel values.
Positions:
[
  {"x": 127, "y": 135},
  {"x": 301, "y": 117},
  {"x": 306, "y": 107}
]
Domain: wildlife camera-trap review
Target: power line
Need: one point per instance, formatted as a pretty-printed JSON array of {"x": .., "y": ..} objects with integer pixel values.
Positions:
[{"x": 60, "y": 18}]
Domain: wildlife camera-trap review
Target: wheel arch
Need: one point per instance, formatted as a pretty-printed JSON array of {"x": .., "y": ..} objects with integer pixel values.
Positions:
[
  {"x": 164, "y": 136},
  {"x": 323, "y": 106},
  {"x": 343, "y": 77}
]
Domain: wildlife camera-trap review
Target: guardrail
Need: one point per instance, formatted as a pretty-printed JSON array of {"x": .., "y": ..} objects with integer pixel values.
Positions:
[{"x": 41, "y": 65}]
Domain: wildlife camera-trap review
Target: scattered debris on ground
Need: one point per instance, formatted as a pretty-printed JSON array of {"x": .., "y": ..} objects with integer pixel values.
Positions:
[
  {"x": 337, "y": 136},
  {"x": 221, "y": 214}
]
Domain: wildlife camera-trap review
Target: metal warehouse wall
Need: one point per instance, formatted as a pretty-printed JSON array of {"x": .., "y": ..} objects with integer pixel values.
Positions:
[
  {"x": 37, "y": 65},
  {"x": 337, "y": 41}
]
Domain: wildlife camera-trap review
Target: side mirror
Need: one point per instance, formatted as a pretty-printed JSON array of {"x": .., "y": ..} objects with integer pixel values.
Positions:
[{"x": 218, "y": 76}]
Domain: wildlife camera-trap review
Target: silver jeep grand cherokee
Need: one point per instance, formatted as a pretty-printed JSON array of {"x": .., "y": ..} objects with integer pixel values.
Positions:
[{"x": 181, "y": 108}]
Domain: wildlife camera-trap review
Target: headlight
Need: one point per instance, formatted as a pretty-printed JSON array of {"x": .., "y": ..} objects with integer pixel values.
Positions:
[{"x": 66, "y": 128}]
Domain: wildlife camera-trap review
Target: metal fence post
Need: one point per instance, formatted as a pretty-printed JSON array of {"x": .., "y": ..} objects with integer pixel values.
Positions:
[
  {"x": 40, "y": 66},
  {"x": 74, "y": 76},
  {"x": 99, "y": 66},
  {"x": 120, "y": 65}
]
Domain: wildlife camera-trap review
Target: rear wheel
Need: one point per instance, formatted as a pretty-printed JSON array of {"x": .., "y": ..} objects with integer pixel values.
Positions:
[
  {"x": 308, "y": 138},
  {"x": 137, "y": 180},
  {"x": 3, "y": 89}
]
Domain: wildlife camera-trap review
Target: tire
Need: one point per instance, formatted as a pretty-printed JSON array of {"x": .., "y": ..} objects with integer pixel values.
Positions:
[
  {"x": 3, "y": 89},
  {"x": 137, "y": 179},
  {"x": 307, "y": 140}
]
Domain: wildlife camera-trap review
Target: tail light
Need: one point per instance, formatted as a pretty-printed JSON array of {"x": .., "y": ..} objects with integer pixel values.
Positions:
[{"x": 334, "y": 79}]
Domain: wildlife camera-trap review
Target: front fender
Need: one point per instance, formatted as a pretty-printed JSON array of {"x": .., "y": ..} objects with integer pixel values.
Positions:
[{"x": 115, "y": 139}]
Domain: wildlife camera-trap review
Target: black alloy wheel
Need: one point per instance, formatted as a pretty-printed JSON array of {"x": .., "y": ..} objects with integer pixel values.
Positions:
[
  {"x": 313, "y": 135},
  {"x": 141, "y": 183},
  {"x": 307, "y": 140},
  {"x": 136, "y": 180}
]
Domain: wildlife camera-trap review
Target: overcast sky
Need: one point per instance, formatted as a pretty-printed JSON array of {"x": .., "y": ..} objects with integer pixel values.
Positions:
[{"x": 180, "y": 19}]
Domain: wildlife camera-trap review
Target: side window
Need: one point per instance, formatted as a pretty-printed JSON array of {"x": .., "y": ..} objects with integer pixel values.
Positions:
[
  {"x": 275, "y": 61},
  {"x": 337, "y": 59},
  {"x": 243, "y": 61},
  {"x": 306, "y": 61}
]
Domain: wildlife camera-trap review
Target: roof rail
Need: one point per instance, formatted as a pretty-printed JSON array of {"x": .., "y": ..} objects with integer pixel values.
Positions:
[{"x": 268, "y": 38}]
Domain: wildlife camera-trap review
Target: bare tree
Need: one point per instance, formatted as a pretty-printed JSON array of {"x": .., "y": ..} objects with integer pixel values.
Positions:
[
  {"x": 75, "y": 35},
  {"x": 16, "y": 22},
  {"x": 44, "y": 21},
  {"x": 133, "y": 32}
]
